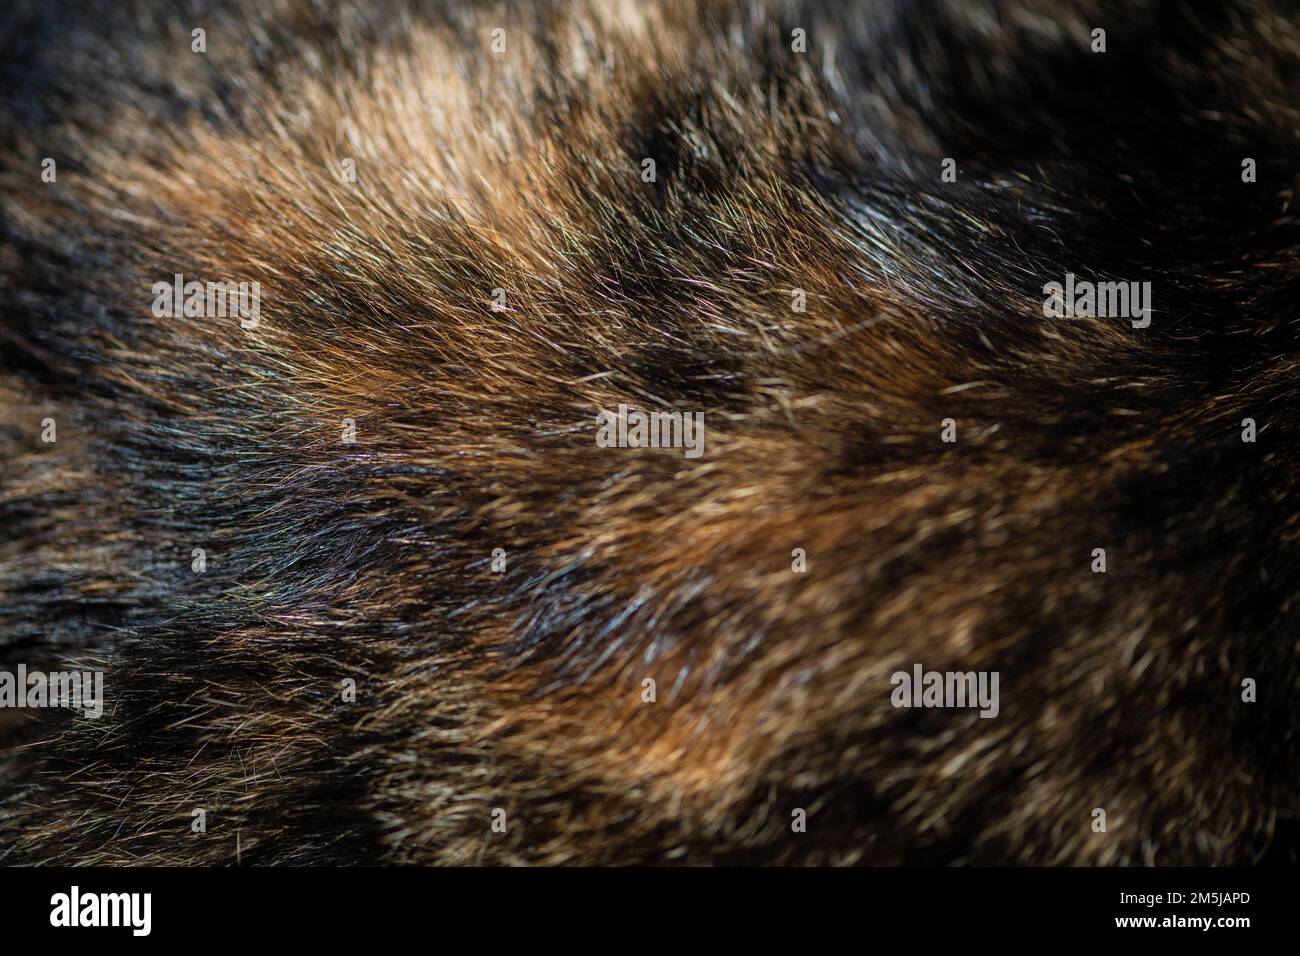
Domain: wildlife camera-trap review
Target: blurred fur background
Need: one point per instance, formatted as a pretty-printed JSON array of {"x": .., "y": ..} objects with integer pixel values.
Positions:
[{"x": 776, "y": 170}]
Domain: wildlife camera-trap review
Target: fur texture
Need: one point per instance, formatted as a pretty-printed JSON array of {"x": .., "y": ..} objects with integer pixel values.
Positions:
[{"x": 475, "y": 430}]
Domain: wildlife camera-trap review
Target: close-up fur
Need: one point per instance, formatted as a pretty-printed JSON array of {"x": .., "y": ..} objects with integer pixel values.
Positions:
[{"x": 365, "y": 586}]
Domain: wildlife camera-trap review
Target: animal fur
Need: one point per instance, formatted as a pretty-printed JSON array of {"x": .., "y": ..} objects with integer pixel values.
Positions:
[{"x": 475, "y": 430}]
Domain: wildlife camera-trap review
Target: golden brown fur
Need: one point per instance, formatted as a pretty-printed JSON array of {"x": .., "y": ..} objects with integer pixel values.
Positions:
[{"x": 475, "y": 430}]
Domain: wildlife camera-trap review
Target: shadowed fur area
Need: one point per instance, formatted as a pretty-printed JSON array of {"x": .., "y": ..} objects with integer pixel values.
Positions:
[{"x": 522, "y": 689}]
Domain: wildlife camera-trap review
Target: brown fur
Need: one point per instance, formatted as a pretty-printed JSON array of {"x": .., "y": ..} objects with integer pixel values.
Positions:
[{"x": 475, "y": 431}]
